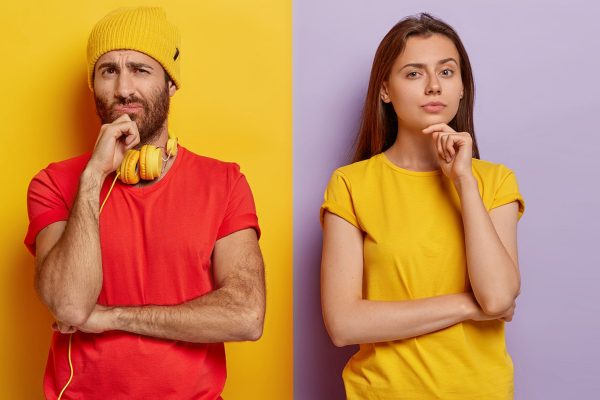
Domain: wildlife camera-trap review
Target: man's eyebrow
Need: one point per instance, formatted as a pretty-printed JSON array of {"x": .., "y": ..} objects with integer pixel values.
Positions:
[
  {"x": 108, "y": 64},
  {"x": 131, "y": 65},
  {"x": 419, "y": 65}
]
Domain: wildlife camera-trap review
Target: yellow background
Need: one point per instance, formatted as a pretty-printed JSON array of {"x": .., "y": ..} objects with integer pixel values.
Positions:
[{"x": 235, "y": 105}]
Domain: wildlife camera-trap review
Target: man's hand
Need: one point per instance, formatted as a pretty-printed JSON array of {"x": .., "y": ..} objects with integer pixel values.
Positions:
[
  {"x": 114, "y": 140},
  {"x": 63, "y": 328},
  {"x": 101, "y": 319}
]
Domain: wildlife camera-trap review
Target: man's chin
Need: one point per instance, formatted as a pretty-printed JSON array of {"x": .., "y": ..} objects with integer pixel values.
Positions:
[{"x": 133, "y": 115}]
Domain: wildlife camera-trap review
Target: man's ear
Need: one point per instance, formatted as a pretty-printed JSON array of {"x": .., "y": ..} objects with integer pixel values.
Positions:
[{"x": 172, "y": 88}]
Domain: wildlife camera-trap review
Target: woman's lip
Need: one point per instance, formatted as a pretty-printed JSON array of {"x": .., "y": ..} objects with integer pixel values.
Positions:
[{"x": 432, "y": 108}]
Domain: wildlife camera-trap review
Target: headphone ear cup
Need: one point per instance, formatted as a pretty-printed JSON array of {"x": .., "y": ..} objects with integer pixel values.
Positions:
[
  {"x": 150, "y": 162},
  {"x": 128, "y": 170},
  {"x": 172, "y": 147}
]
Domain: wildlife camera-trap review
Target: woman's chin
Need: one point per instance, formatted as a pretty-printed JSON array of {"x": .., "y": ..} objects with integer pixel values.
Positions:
[{"x": 433, "y": 120}]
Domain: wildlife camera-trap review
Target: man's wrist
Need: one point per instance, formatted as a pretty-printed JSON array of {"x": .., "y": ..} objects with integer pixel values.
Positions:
[
  {"x": 92, "y": 175},
  {"x": 116, "y": 323}
]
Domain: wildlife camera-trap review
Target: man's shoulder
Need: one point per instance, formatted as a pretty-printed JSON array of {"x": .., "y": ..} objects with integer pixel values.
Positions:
[
  {"x": 208, "y": 164},
  {"x": 68, "y": 168}
]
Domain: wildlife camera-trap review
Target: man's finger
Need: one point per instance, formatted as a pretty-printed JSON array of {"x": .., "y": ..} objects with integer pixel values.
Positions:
[
  {"x": 62, "y": 328},
  {"x": 125, "y": 128},
  {"x": 123, "y": 117}
]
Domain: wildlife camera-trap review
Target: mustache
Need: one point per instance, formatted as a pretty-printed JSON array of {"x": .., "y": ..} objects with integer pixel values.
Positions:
[{"x": 122, "y": 101}]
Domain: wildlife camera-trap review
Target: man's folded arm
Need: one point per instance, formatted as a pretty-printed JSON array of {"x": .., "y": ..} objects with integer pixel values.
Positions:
[{"x": 234, "y": 311}]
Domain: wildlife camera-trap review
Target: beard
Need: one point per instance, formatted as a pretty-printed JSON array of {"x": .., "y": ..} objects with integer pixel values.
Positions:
[{"x": 149, "y": 121}]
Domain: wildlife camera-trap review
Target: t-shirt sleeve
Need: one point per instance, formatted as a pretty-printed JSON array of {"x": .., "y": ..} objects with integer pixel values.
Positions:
[
  {"x": 240, "y": 211},
  {"x": 508, "y": 191},
  {"x": 45, "y": 205},
  {"x": 338, "y": 199}
]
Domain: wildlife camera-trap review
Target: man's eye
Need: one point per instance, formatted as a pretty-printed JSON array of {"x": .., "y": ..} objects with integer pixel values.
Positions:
[
  {"x": 141, "y": 70},
  {"x": 110, "y": 70}
]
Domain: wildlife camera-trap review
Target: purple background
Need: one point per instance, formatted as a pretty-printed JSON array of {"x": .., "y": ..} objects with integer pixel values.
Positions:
[{"x": 537, "y": 73}]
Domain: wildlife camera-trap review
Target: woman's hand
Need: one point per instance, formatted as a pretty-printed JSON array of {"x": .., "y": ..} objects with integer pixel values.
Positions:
[
  {"x": 454, "y": 151},
  {"x": 477, "y": 314}
]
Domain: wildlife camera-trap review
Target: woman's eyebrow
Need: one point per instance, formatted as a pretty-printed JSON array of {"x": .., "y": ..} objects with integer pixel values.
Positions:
[{"x": 420, "y": 65}]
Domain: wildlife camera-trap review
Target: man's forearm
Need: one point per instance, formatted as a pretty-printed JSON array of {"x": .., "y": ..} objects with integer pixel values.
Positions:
[
  {"x": 69, "y": 278},
  {"x": 218, "y": 316},
  {"x": 492, "y": 272}
]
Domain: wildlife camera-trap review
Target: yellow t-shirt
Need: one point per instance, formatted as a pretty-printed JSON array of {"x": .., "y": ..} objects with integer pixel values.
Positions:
[{"x": 414, "y": 248}]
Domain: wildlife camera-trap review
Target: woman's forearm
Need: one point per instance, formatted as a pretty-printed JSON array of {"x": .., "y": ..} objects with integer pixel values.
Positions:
[
  {"x": 492, "y": 272},
  {"x": 368, "y": 321}
]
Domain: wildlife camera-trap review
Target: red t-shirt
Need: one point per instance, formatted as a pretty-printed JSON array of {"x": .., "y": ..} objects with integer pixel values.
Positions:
[{"x": 156, "y": 250}]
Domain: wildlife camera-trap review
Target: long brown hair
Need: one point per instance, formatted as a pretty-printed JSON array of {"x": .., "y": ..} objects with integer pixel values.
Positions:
[{"x": 379, "y": 124}]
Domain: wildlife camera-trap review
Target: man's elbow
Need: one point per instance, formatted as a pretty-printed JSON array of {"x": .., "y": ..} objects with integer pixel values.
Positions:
[
  {"x": 255, "y": 329},
  {"x": 253, "y": 324},
  {"x": 69, "y": 315}
]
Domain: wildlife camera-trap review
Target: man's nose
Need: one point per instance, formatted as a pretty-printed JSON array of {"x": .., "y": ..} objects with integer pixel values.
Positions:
[{"x": 125, "y": 87}]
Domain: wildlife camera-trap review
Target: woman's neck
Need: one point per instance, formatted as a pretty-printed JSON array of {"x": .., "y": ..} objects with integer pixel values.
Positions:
[{"x": 414, "y": 151}]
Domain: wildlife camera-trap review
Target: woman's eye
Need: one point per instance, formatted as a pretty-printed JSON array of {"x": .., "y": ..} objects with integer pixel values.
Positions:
[
  {"x": 447, "y": 72},
  {"x": 413, "y": 74}
]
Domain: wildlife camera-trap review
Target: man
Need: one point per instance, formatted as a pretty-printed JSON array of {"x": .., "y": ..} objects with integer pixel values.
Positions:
[{"x": 145, "y": 290}]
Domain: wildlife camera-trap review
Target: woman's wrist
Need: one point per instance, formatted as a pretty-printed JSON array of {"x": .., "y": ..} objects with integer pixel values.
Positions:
[
  {"x": 468, "y": 305},
  {"x": 465, "y": 183}
]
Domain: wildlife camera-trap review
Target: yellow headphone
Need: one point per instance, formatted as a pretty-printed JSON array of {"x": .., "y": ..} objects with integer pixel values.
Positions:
[
  {"x": 145, "y": 163},
  {"x": 149, "y": 168}
]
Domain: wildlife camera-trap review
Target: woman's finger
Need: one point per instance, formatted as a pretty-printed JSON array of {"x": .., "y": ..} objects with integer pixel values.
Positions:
[
  {"x": 447, "y": 139},
  {"x": 444, "y": 139},
  {"x": 450, "y": 146},
  {"x": 438, "y": 127},
  {"x": 438, "y": 145}
]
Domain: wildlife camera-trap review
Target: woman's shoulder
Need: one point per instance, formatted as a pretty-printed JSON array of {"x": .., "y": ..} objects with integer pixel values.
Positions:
[
  {"x": 359, "y": 169},
  {"x": 489, "y": 169}
]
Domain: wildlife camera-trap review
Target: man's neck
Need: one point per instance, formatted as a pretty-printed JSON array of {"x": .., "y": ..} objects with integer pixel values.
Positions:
[{"x": 160, "y": 141}]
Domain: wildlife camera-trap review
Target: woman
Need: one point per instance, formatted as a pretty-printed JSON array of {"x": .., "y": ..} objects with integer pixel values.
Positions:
[{"x": 419, "y": 235}]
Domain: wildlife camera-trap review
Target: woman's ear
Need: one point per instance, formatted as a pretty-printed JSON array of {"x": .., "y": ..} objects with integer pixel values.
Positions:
[{"x": 384, "y": 94}]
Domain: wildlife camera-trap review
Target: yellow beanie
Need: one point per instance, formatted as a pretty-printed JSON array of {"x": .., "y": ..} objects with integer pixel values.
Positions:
[{"x": 144, "y": 29}]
